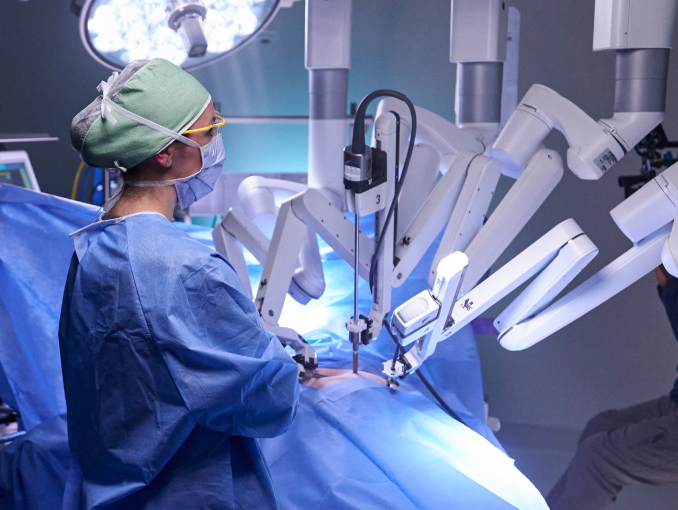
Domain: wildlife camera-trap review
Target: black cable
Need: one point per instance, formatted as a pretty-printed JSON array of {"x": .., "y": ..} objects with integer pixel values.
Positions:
[
  {"x": 397, "y": 180},
  {"x": 396, "y": 196},
  {"x": 439, "y": 399},
  {"x": 358, "y": 147},
  {"x": 442, "y": 403},
  {"x": 397, "y": 348},
  {"x": 358, "y": 141}
]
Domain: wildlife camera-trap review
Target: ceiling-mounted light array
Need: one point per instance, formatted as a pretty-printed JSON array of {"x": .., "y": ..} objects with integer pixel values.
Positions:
[{"x": 190, "y": 33}]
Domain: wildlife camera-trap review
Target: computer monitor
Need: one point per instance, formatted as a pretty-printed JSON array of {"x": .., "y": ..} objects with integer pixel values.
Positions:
[{"x": 15, "y": 168}]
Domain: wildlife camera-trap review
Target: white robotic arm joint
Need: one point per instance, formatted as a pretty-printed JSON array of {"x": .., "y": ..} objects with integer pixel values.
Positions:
[
  {"x": 648, "y": 210},
  {"x": 640, "y": 31},
  {"x": 594, "y": 148}
]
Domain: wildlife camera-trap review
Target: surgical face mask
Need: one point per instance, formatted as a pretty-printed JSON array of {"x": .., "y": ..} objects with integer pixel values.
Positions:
[{"x": 189, "y": 189}]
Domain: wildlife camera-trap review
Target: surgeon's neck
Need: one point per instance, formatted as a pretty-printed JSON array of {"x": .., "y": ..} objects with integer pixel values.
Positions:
[{"x": 160, "y": 199}]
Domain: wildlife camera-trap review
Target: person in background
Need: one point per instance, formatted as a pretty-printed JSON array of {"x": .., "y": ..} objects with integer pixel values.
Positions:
[
  {"x": 168, "y": 371},
  {"x": 637, "y": 445}
]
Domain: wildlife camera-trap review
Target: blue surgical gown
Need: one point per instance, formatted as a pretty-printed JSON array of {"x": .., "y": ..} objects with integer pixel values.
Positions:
[{"x": 169, "y": 374}]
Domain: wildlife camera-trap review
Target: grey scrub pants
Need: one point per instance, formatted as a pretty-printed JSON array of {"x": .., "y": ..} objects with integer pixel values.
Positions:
[{"x": 637, "y": 445}]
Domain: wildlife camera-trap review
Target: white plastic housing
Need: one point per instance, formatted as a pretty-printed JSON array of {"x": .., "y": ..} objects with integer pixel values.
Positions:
[
  {"x": 234, "y": 229},
  {"x": 593, "y": 148},
  {"x": 420, "y": 183},
  {"x": 609, "y": 281},
  {"x": 509, "y": 86},
  {"x": 478, "y": 31},
  {"x": 631, "y": 127},
  {"x": 518, "y": 141},
  {"x": 486, "y": 131},
  {"x": 668, "y": 182},
  {"x": 633, "y": 24},
  {"x": 261, "y": 198},
  {"x": 450, "y": 274},
  {"x": 527, "y": 194},
  {"x": 514, "y": 273},
  {"x": 431, "y": 217},
  {"x": 570, "y": 261},
  {"x": 649, "y": 208},
  {"x": 415, "y": 313},
  {"x": 447, "y": 269},
  {"x": 445, "y": 137},
  {"x": 470, "y": 209},
  {"x": 670, "y": 257},
  {"x": 559, "y": 256}
]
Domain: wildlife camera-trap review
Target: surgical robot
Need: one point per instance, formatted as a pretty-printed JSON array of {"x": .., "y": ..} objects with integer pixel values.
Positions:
[
  {"x": 466, "y": 192},
  {"x": 320, "y": 208},
  {"x": 646, "y": 218},
  {"x": 641, "y": 33}
]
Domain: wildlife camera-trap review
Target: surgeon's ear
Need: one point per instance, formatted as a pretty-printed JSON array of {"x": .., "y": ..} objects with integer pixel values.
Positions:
[{"x": 164, "y": 157}]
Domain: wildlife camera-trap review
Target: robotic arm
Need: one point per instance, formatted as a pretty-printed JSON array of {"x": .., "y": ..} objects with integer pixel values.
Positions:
[
  {"x": 593, "y": 148},
  {"x": 640, "y": 32},
  {"x": 431, "y": 317},
  {"x": 261, "y": 198},
  {"x": 647, "y": 218},
  {"x": 438, "y": 145},
  {"x": 427, "y": 316}
]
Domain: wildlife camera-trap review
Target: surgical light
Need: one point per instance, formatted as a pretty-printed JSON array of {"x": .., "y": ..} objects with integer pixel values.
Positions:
[
  {"x": 189, "y": 33},
  {"x": 186, "y": 17}
]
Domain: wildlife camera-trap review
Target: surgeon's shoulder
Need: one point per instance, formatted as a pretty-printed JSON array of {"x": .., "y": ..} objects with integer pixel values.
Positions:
[{"x": 155, "y": 240}]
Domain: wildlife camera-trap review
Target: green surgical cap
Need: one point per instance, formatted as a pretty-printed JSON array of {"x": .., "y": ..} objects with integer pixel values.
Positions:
[{"x": 156, "y": 90}]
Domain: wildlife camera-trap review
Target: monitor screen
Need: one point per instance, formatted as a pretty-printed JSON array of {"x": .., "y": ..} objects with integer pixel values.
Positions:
[{"x": 15, "y": 173}]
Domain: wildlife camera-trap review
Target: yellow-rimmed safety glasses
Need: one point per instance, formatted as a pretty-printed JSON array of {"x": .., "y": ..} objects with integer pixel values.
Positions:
[{"x": 217, "y": 126}]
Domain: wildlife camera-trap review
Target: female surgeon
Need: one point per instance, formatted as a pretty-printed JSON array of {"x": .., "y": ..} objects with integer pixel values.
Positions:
[{"x": 168, "y": 372}]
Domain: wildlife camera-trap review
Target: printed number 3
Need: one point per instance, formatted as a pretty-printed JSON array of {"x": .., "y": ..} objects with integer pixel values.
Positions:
[{"x": 378, "y": 199}]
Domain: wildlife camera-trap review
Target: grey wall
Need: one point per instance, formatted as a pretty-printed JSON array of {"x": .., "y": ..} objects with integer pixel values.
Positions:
[{"x": 619, "y": 354}]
